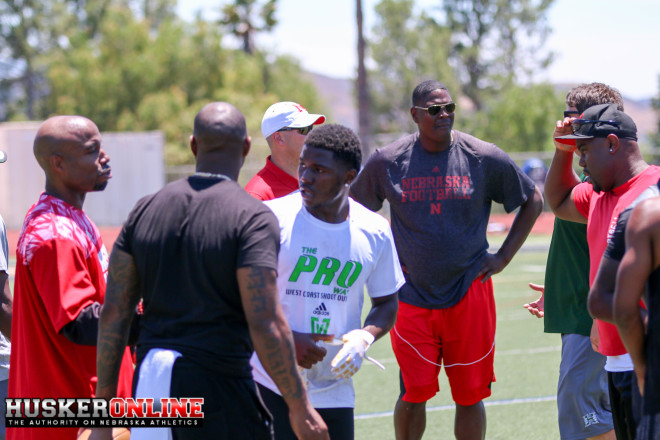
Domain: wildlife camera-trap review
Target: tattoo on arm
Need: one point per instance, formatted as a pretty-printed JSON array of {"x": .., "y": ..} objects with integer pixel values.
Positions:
[
  {"x": 270, "y": 332},
  {"x": 121, "y": 297}
]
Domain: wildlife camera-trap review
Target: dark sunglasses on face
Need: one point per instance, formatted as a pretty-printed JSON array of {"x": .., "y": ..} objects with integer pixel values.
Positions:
[
  {"x": 302, "y": 130},
  {"x": 437, "y": 108},
  {"x": 571, "y": 113},
  {"x": 577, "y": 123}
]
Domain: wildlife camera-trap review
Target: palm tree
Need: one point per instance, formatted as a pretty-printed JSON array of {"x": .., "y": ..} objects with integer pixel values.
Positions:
[
  {"x": 244, "y": 22},
  {"x": 362, "y": 85}
]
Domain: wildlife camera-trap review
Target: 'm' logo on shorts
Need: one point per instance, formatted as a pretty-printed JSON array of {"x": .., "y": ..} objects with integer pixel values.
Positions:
[{"x": 590, "y": 419}]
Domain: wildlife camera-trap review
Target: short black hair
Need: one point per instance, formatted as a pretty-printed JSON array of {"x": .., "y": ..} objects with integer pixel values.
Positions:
[
  {"x": 423, "y": 89},
  {"x": 341, "y": 140}
]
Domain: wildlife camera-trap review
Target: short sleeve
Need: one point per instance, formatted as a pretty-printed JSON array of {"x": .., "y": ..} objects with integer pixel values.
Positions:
[
  {"x": 367, "y": 188},
  {"x": 507, "y": 183},
  {"x": 124, "y": 239},
  {"x": 387, "y": 278},
  {"x": 582, "y": 197},
  {"x": 616, "y": 243},
  {"x": 62, "y": 279},
  {"x": 259, "y": 240}
]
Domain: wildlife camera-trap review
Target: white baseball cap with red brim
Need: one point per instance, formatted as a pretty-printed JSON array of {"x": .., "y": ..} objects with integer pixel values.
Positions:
[{"x": 288, "y": 115}]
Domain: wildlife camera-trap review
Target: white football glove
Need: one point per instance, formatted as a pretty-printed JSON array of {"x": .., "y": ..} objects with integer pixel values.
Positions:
[{"x": 349, "y": 359}]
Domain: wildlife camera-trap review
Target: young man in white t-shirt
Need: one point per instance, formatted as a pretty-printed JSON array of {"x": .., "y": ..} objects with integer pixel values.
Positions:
[{"x": 331, "y": 248}]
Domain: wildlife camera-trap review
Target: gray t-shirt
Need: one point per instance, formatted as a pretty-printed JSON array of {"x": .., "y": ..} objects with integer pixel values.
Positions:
[
  {"x": 440, "y": 205},
  {"x": 5, "y": 346}
]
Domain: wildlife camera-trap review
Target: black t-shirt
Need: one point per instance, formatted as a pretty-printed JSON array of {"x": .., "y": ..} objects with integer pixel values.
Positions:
[
  {"x": 187, "y": 241},
  {"x": 616, "y": 241}
]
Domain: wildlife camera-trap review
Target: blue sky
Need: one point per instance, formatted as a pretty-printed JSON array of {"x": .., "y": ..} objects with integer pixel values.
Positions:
[{"x": 610, "y": 41}]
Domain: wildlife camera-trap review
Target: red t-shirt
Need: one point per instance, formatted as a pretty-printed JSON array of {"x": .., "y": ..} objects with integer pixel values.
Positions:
[
  {"x": 271, "y": 182},
  {"x": 602, "y": 212},
  {"x": 61, "y": 266}
]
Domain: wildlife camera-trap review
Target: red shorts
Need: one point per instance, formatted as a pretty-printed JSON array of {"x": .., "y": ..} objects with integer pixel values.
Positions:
[{"x": 461, "y": 337}]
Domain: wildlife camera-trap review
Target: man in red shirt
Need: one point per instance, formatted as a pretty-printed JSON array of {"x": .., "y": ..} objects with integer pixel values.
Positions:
[
  {"x": 606, "y": 140},
  {"x": 61, "y": 269},
  {"x": 285, "y": 125}
]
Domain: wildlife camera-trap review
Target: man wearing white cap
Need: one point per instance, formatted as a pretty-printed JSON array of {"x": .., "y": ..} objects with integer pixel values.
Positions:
[{"x": 285, "y": 125}]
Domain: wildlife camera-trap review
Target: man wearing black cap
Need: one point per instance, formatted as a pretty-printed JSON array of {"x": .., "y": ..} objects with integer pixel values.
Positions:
[
  {"x": 606, "y": 140},
  {"x": 583, "y": 403}
]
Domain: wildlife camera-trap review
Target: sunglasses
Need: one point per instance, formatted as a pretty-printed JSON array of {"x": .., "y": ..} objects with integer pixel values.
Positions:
[
  {"x": 571, "y": 113},
  {"x": 437, "y": 108},
  {"x": 577, "y": 123},
  {"x": 303, "y": 130}
]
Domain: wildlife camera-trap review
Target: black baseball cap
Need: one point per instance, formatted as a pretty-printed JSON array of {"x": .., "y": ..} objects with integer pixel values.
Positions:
[{"x": 600, "y": 121}]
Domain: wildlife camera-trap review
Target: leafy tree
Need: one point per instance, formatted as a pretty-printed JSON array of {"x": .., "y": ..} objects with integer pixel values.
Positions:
[
  {"x": 133, "y": 77},
  {"x": 245, "y": 18},
  {"x": 407, "y": 48},
  {"x": 487, "y": 42},
  {"x": 521, "y": 118},
  {"x": 31, "y": 31},
  {"x": 362, "y": 86},
  {"x": 25, "y": 31}
]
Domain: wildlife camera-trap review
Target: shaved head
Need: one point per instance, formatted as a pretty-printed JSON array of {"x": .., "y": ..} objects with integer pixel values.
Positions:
[
  {"x": 219, "y": 127},
  {"x": 60, "y": 133},
  {"x": 68, "y": 149}
]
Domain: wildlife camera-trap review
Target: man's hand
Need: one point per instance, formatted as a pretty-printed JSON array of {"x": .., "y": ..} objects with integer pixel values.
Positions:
[
  {"x": 492, "y": 264},
  {"x": 536, "y": 307},
  {"x": 640, "y": 372},
  {"x": 562, "y": 128},
  {"x": 594, "y": 337},
  {"x": 349, "y": 359},
  {"x": 307, "y": 352},
  {"x": 307, "y": 424}
]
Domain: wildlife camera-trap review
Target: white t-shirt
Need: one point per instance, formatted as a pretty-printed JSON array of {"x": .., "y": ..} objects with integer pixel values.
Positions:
[
  {"x": 322, "y": 271},
  {"x": 5, "y": 346}
]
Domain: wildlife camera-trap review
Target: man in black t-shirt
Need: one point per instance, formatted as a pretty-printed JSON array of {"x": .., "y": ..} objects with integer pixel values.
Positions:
[
  {"x": 202, "y": 254},
  {"x": 639, "y": 273}
]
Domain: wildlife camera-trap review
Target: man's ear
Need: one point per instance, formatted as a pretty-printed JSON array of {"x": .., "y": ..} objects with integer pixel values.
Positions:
[
  {"x": 246, "y": 145},
  {"x": 413, "y": 113},
  {"x": 350, "y": 176},
  {"x": 193, "y": 145},
  {"x": 56, "y": 163},
  {"x": 278, "y": 138},
  {"x": 614, "y": 143}
]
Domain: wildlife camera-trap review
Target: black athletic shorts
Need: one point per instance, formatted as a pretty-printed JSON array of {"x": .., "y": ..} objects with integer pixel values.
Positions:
[
  {"x": 232, "y": 406},
  {"x": 339, "y": 420}
]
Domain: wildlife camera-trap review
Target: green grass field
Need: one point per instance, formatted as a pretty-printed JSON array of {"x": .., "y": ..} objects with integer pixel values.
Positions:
[{"x": 523, "y": 403}]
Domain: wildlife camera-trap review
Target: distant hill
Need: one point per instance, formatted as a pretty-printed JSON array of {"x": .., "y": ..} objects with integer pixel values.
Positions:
[{"x": 338, "y": 96}]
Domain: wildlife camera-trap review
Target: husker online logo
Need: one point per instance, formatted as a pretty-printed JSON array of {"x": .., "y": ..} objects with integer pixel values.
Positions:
[{"x": 128, "y": 412}]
